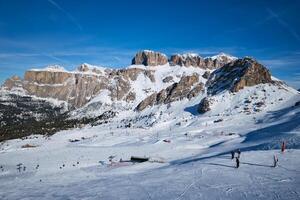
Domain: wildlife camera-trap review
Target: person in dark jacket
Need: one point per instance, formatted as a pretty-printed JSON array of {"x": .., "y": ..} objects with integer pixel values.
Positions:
[
  {"x": 237, "y": 160},
  {"x": 239, "y": 153},
  {"x": 283, "y": 146},
  {"x": 232, "y": 155}
]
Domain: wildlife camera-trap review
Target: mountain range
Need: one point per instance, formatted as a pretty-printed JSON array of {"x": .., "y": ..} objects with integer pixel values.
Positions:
[{"x": 47, "y": 100}]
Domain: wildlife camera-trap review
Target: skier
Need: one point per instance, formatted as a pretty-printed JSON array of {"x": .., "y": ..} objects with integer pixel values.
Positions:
[
  {"x": 275, "y": 161},
  {"x": 232, "y": 155},
  {"x": 282, "y": 146},
  {"x": 237, "y": 160},
  {"x": 239, "y": 153}
]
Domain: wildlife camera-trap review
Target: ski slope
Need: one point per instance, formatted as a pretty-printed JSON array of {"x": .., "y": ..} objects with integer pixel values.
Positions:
[{"x": 189, "y": 153}]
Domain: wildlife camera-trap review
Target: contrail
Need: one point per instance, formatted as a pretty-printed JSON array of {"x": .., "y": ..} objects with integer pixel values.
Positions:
[
  {"x": 55, "y": 58},
  {"x": 284, "y": 24},
  {"x": 71, "y": 18}
]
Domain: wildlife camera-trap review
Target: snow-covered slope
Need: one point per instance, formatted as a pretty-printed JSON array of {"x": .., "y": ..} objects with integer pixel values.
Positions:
[{"x": 189, "y": 155}]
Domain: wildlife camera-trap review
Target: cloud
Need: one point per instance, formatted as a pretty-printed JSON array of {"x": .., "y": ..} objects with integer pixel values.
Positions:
[
  {"x": 284, "y": 24},
  {"x": 292, "y": 60},
  {"x": 207, "y": 51},
  {"x": 11, "y": 55},
  {"x": 14, "y": 55},
  {"x": 294, "y": 81},
  {"x": 69, "y": 16}
]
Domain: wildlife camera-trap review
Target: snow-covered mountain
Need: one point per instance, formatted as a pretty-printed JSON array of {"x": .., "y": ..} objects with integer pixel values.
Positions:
[
  {"x": 151, "y": 81},
  {"x": 184, "y": 113}
]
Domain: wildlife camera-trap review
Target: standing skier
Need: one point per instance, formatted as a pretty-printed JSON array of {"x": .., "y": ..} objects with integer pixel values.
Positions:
[
  {"x": 239, "y": 153},
  {"x": 282, "y": 146},
  {"x": 275, "y": 161},
  {"x": 232, "y": 155},
  {"x": 237, "y": 160}
]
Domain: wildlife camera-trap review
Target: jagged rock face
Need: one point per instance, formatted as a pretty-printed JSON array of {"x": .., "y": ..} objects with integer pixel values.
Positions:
[
  {"x": 195, "y": 91},
  {"x": 204, "y": 105},
  {"x": 149, "y": 58},
  {"x": 132, "y": 73},
  {"x": 237, "y": 75},
  {"x": 78, "y": 88},
  {"x": 47, "y": 77},
  {"x": 13, "y": 82},
  {"x": 130, "y": 97},
  {"x": 187, "y": 60},
  {"x": 75, "y": 88},
  {"x": 168, "y": 79},
  {"x": 175, "y": 92},
  {"x": 195, "y": 60},
  {"x": 221, "y": 59},
  {"x": 206, "y": 75},
  {"x": 83, "y": 68}
]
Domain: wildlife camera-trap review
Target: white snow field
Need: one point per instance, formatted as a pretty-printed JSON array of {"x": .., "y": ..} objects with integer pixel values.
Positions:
[{"x": 189, "y": 153}]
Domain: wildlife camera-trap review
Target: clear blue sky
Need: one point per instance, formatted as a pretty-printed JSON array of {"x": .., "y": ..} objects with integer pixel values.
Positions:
[{"x": 35, "y": 33}]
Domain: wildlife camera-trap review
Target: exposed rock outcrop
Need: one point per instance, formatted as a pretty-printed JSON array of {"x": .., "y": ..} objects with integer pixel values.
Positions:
[
  {"x": 149, "y": 58},
  {"x": 204, "y": 105},
  {"x": 168, "y": 79},
  {"x": 195, "y": 60},
  {"x": 188, "y": 60},
  {"x": 206, "y": 75},
  {"x": 13, "y": 82},
  {"x": 177, "y": 91},
  {"x": 236, "y": 75}
]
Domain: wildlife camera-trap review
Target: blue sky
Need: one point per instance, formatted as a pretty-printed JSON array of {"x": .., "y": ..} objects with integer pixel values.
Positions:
[{"x": 36, "y": 33}]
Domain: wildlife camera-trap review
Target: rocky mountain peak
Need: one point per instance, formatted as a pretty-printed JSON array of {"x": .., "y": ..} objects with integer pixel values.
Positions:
[
  {"x": 149, "y": 58},
  {"x": 187, "y": 60},
  {"x": 83, "y": 68},
  {"x": 92, "y": 69},
  {"x": 237, "y": 75},
  {"x": 195, "y": 60},
  {"x": 52, "y": 68},
  {"x": 13, "y": 82},
  {"x": 224, "y": 57}
]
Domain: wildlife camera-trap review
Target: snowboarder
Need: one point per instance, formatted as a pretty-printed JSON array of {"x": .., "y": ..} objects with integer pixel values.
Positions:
[
  {"x": 237, "y": 160},
  {"x": 239, "y": 153},
  {"x": 275, "y": 161},
  {"x": 232, "y": 155},
  {"x": 282, "y": 146}
]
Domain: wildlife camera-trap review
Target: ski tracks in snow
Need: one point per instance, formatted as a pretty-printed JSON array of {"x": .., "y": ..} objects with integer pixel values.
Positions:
[{"x": 188, "y": 187}]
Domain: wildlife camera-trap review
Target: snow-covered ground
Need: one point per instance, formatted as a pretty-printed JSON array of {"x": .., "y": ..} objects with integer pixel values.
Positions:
[{"x": 189, "y": 153}]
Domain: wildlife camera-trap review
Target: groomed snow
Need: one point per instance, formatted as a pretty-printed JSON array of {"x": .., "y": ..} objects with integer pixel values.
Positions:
[{"x": 189, "y": 153}]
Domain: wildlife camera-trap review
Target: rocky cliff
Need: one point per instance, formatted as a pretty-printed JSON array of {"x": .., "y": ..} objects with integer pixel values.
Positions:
[
  {"x": 195, "y": 60},
  {"x": 149, "y": 58},
  {"x": 78, "y": 87},
  {"x": 188, "y": 87},
  {"x": 236, "y": 75}
]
